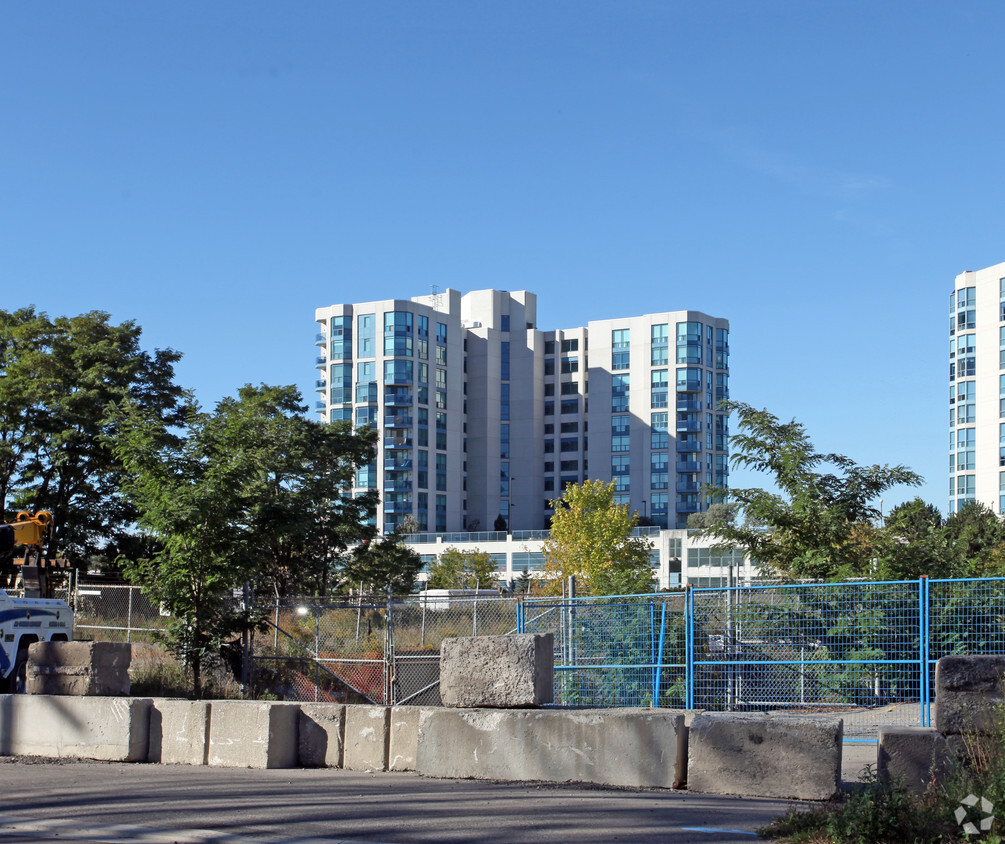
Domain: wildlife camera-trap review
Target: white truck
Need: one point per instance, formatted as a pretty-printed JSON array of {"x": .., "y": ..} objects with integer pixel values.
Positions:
[{"x": 23, "y": 621}]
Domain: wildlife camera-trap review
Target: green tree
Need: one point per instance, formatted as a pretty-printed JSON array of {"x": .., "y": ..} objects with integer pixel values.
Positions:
[
  {"x": 455, "y": 569},
  {"x": 252, "y": 492},
  {"x": 818, "y": 525},
  {"x": 719, "y": 512},
  {"x": 916, "y": 543},
  {"x": 190, "y": 494},
  {"x": 591, "y": 538},
  {"x": 384, "y": 564},
  {"x": 303, "y": 515},
  {"x": 61, "y": 378}
]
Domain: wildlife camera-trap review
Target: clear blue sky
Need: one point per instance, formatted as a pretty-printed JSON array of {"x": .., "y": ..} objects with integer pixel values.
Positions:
[{"x": 816, "y": 172}]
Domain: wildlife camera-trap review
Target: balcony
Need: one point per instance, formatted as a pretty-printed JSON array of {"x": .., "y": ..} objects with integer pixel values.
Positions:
[
  {"x": 688, "y": 425},
  {"x": 689, "y": 387},
  {"x": 398, "y": 464},
  {"x": 320, "y": 405},
  {"x": 321, "y": 385},
  {"x": 688, "y": 465},
  {"x": 320, "y": 360},
  {"x": 397, "y": 398},
  {"x": 398, "y": 421},
  {"x": 398, "y": 442},
  {"x": 320, "y": 339},
  {"x": 688, "y": 446},
  {"x": 398, "y": 486},
  {"x": 687, "y": 507},
  {"x": 402, "y": 507},
  {"x": 688, "y": 404},
  {"x": 688, "y": 486}
]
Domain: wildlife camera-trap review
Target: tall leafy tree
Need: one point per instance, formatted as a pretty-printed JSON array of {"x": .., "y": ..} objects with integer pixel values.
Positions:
[
  {"x": 591, "y": 538},
  {"x": 383, "y": 565},
  {"x": 59, "y": 378},
  {"x": 456, "y": 569},
  {"x": 819, "y": 524},
  {"x": 303, "y": 515},
  {"x": 251, "y": 493}
]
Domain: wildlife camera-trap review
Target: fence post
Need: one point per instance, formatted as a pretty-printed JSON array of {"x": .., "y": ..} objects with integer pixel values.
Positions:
[
  {"x": 246, "y": 643},
  {"x": 658, "y": 668},
  {"x": 129, "y": 616},
  {"x": 924, "y": 652},
  {"x": 519, "y": 616},
  {"x": 688, "y": 647}
]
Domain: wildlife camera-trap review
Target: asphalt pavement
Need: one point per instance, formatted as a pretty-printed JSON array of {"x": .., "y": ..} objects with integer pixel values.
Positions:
[{"x": 48, "y": 800}]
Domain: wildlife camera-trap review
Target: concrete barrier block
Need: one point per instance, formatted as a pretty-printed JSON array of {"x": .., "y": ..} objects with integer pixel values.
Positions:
[
  {"x": 108, "y": 729},
  {"x": 969, "y": 692},
  {"x": 78, "y": 668},
  {"x": 503, "y": 671},
  {"x": 321, "y": 735},
  {"x": 179, "y": 731},
  {"x": 761, "y": 756},
  {"x": 253, "y": 734},
  {"x": 403, "y": 738},
  {"x": 914, "y": 756},
  {"x": 638, "y": 748},
  {"x": 366, "y": 738}
]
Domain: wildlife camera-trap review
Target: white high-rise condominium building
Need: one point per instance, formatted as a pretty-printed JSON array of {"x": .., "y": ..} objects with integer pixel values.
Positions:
[
  {"x": 977, "y": 389},
  {"x": 482, "y": 415}
]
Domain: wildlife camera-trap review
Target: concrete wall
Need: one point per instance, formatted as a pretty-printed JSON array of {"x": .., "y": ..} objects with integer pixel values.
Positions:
[
  {"x": 179, "y": 731},
  {"x": 516, "y": 670},
  {"x": 78, "y": 668},
  {"x": 626, "y": 747},
  {"x": 109, "y": 729},
  {"x": 321, "y": 735},
  {"x": 253, "y": 734},
  {"x": 765, "y": 756}
]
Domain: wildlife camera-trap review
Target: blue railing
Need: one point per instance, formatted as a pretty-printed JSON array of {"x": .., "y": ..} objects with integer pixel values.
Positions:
[{"x": 864, "y": 651}]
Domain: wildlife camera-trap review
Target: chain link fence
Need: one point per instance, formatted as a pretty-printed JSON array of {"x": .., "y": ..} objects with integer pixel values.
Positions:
[
  {"x": 864, "y": 651},
  {"x": 367, "y": 649}
]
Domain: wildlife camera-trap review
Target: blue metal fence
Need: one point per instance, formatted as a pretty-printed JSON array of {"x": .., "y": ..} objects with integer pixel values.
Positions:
[{"x": 865, "y": 651}]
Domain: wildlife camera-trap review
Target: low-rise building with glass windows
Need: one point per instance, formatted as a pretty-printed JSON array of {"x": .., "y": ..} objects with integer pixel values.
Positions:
[
  {"x": 484, "y": 418},
  {"x": 679, "y": 557},
  {"x": 977, "y": 389}
]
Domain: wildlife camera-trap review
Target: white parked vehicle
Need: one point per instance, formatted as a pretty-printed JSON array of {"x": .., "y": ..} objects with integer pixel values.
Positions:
[{"x": 23, "y": 621}]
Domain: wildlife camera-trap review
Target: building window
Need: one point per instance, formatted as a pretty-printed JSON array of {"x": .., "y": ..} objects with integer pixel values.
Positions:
[
  {"x": 398, "y": 334},
  {"x": 365, "y": 335},
  {"x": 660, "y": 437},
  {"x": 689, "y": 348},
  {"x": 549, "y": 366},
  {"x": 620, "y": 393},
  {"x": 620, "y": 433},
  {"x": 620, "y": 348},
  {"x": 569, "y": 444},
  {"x": 341, "y": 337},
  {"x": 659, "y": 388},
  {"x": 570, "y": 406},
  {"x": 570, "y": 345},
  {"x": 570, "y": 364}
]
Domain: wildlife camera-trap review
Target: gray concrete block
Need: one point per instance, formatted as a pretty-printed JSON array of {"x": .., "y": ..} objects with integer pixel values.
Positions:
[
  {"x": 403, "y": 738},
  {"x": 78, "y": 668},
  {"x": 321, "y": 735},
  {"x": 914, "y": 756},
  {"x": 969, "y": 694},
  {"x": 179, "y": 731},
  {"x": 367, "y": 736},
  {"x": 765, "y": 756},
  {"x": 109, "y": 729},
  {"x": 253, "y": 734},
  {"x": 637, "y": 748},
  {"x": 503, "y": 671}
]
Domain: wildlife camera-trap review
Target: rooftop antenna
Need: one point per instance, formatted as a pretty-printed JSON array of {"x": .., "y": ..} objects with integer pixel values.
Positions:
[{"x": 434, "y": 295}]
